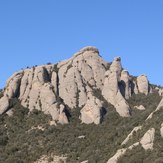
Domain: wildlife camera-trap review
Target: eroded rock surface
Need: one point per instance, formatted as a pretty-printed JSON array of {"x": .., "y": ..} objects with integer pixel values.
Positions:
[
  {"x": 85, "y": 68},
  {"x": 92, "y": 112},
  {"x": 148, "y": 139},
  {"x": 57, "y": 88},
  {"x": 4, "y": 104},
  {"x": 125, "y": 86},
  {"x": 111, "y": 91},
  {"x": 143, "y": 84},
  {"x": 50, "y": 87}
]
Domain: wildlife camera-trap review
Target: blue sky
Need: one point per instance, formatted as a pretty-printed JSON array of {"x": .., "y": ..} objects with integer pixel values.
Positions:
[{"x": 34, "y": 32}]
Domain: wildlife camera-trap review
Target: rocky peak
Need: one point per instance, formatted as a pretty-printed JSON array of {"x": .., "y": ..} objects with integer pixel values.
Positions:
[
  {"x": 116, "y": 65},
  {"x": 55, "y": 89},
  {"x": 143, "y": 84},
  {"x": 88, "y": 49}
]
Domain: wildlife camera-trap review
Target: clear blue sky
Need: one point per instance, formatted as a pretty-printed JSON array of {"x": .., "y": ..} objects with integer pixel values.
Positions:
[{"x": 34, "y": 32}]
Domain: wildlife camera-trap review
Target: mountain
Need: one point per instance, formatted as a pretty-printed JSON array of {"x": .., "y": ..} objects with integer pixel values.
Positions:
[{"x": 81, "y": 110}]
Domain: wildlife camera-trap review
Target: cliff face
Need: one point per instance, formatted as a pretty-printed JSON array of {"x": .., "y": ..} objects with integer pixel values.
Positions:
[{"x": 55, "y": 89}]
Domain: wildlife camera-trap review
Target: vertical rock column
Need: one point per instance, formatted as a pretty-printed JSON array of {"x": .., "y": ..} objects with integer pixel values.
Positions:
[
  {"x": 111, "y": 90},
  {"x": 143, "y": 84}
]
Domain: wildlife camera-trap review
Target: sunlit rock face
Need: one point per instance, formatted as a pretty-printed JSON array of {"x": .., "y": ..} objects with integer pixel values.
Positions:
[
  {"x": 56, "y": 89},
  {"x": 148, "y": 139},
  {"x": 143, "y": 84}
]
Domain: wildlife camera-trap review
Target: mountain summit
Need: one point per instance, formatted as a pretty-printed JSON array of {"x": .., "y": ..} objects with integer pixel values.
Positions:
[{"x": 89, "y": 85}]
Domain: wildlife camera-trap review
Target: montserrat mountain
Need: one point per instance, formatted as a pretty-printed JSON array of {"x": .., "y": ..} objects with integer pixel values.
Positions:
[
  {"x": 100, "y": 91},
  {"x": 55, "y": 89}
]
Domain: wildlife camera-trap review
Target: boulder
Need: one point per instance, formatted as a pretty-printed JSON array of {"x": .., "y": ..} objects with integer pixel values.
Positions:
[
  {"x": 140, "y": 107},
  {"x": 10, "y": 112},
  {"x": 143, "y": 84},
  {"x": 148, "y": 139}
]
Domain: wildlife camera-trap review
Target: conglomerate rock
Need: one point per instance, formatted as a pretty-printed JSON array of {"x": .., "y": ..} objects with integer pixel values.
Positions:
[{"x": 56, "y": 88}]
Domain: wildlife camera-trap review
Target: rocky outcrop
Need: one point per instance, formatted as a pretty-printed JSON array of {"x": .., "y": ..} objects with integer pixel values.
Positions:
[
  {"x": 111, "y": 91},
  {"x": 160, "y": 106},
  {"x": 148, "y": 139},
  {"x": 51, "y": 159},
  {"x": 143, "y": 84},
  {"x": 85, "y": 161},
  {"x": 134, "y": 87},
  {"x": 160, "y": 91},
  {"x": 161, "y": 130},
  {"x": 58, "y": 113},
  {"x": 120, "y": 153},
  {"x": 13, "y": 84},
  {"x": 116, "y": 66},
  {"x": 125, "y": 86},
  {"x": 45, "y": 87},
  {"x": 131, "y": 134},
  {"x": 146, "y": 142},
  {"x": 52, "y": 87},
  {"x": 4, "y": 104},
  {"x": 85, "y": 68},
  {"x": 140, "y": 107},
  {"x": 92, "y": 112}
]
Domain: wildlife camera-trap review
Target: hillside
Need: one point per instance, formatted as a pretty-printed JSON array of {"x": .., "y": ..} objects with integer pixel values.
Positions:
[{"x": 81, "y": 109}]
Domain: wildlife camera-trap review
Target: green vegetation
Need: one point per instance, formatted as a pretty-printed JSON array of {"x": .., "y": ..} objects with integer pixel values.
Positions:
[
  {"x": 138, "y": 154},
  {"x": 21, "y": 141}
]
